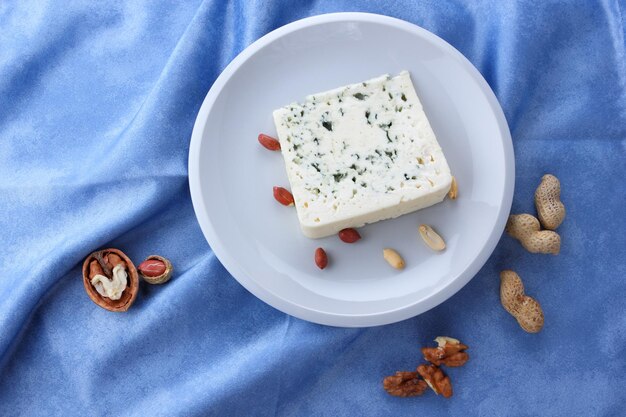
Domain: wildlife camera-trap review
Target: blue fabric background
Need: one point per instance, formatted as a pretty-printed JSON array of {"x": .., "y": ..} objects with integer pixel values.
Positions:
[{"x": 97, "y": 103}]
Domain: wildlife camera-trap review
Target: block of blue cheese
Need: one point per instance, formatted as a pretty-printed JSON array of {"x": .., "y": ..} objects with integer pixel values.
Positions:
[{"x": 359, "y": 154}]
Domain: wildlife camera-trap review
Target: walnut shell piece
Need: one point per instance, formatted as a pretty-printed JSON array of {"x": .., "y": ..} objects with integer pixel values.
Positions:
[
  {"x": 103, "y": 265},
  {"x": 156, "y": 269},
  {"x": 404, "y": 384}
]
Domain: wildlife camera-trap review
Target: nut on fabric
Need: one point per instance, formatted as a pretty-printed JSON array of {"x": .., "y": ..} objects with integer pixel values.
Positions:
[
  {"x": 404, "y": 384},
  {"x": 525, "y": 309},
  {"x": 436, "y": 379},
  {"x": 100, "y": 266},
  {"x": 550, "y": 209},
  {"x": 156, "y": 269},
  {"x": 526, "y": 228},
  {"x": 450, "y": 352}
]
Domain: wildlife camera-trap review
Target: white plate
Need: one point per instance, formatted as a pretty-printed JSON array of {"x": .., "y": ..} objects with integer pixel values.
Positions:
[{"x": 259, "y": 241}]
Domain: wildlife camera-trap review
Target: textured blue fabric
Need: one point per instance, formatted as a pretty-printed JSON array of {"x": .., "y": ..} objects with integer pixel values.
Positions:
[{"x": 97, "y": 103}]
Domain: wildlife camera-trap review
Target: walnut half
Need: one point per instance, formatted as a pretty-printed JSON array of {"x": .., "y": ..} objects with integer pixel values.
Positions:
[
  {"x": 436, "y": 379},
  {"x": 404, "y": 384},
  {"x": 110, "y": 279},
  {"x": 450, "y": 352}
]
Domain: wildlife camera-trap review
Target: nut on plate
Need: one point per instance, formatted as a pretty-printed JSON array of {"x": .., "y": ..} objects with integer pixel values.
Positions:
[
  {"x": 431, "y": 238},
  {"x": 349, "y": 235},
  {"x": 283, "y": 196},
  {"x": 321, "y": 258},
  {"x": 110, "y": 279},
  {"x": 156, "y": 269},
  {"x": 404, "y": 384},
  {"x": 269, "y": 142},
  {"x": 454, "y": 190},
  {"x": 393, "y": 258},
  {"x": 450, "y": 352}
]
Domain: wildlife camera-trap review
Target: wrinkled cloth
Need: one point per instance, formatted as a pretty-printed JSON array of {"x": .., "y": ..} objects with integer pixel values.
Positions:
[{"x": 97, "y": 104}]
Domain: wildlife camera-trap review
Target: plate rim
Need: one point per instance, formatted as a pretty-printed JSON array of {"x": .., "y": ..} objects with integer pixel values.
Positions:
[{"x": 307, "y": 313}]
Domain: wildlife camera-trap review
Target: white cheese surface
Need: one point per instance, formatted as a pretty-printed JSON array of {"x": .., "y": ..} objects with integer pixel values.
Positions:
[{"x": 359, "y": 154}]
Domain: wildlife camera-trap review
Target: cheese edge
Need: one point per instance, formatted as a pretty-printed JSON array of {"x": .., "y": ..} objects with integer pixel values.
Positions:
[{"x": 401, "y": 209}]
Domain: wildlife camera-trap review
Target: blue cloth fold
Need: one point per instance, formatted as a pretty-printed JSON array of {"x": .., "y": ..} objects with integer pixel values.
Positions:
[{"x": 97, "y": 104}]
